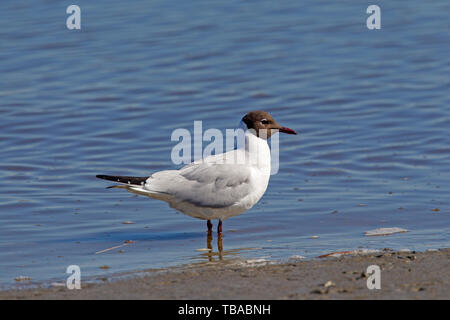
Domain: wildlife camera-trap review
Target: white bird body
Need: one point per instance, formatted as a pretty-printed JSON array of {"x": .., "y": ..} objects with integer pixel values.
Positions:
[
  {"x": 219, "y": 186},
  {"x": 216, "y": 187}
]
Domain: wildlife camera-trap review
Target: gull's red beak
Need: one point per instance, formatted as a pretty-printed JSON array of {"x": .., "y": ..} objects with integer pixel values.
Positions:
[{"x": 287, "y": 130}]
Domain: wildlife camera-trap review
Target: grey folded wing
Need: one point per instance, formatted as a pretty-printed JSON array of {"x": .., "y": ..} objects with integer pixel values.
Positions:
[{"x": 204, "y": 184}]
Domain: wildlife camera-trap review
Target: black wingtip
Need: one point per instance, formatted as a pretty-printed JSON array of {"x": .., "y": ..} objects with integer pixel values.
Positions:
[
  {"x": 110, "y": 178},
  {"x": 123, "y": 179},
  {"x": 105, "y": 177}
]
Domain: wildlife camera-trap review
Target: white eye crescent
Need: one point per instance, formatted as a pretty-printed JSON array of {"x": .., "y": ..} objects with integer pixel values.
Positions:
[{"x": 265, "y": 121}]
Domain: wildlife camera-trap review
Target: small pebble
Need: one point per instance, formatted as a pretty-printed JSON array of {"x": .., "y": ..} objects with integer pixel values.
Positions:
[
  {"x": 362, "y": 275},
  {"x": 22, "y": 278},
  {"x": 318, "y": 291},
  {"x": 58, "y": 284},
  {"x": 296, "y": 257}
]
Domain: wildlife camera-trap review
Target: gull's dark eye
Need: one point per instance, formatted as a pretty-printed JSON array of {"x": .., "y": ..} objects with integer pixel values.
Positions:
[{"x": 265, "y": 121}]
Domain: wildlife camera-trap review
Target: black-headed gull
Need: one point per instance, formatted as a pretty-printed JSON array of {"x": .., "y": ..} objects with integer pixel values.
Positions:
[{"x": 219, "y": 186}]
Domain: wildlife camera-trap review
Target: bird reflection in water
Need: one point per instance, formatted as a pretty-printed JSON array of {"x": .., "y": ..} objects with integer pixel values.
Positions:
[
  {"x": 220, "y": 256},
  {"x": 219, "y": 252}
]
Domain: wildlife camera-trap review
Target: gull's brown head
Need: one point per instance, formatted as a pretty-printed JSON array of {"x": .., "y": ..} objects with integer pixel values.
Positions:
[{"x": 263, "y": 124}]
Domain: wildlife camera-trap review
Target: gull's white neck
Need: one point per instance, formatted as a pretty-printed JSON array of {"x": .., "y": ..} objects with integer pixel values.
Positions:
[{"x": 258, "y": 151}]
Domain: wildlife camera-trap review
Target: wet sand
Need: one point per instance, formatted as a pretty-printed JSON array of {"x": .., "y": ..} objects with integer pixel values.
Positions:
[{"x": 404, "y": 275}]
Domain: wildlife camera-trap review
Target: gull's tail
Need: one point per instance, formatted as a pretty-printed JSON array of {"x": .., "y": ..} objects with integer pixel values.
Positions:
[
  {"x": 135, "y": 185},
  {"x": 132, "y": 181}
]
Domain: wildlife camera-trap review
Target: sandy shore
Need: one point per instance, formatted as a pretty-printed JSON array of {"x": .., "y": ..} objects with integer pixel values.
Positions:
[{"x": 404, "y": 275}]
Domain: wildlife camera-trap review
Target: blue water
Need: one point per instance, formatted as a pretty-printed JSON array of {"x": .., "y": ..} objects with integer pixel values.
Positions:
[{"x": 372, "y": 109}]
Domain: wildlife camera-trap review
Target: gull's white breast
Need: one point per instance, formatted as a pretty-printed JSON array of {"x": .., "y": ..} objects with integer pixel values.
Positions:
[{"x": 217, "y": 187}]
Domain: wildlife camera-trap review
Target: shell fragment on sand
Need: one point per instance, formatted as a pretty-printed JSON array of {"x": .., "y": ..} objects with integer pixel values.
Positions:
[
  {"x": 296, "y": 257},
  {"x": 384, "y": 231},
  {"x": 338, "y": 254}
]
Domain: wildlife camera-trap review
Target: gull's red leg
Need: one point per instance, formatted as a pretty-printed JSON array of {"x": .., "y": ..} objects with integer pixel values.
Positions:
[
  {"x": 219, "y": 227},
  {"x": 209, "y": 224}
]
